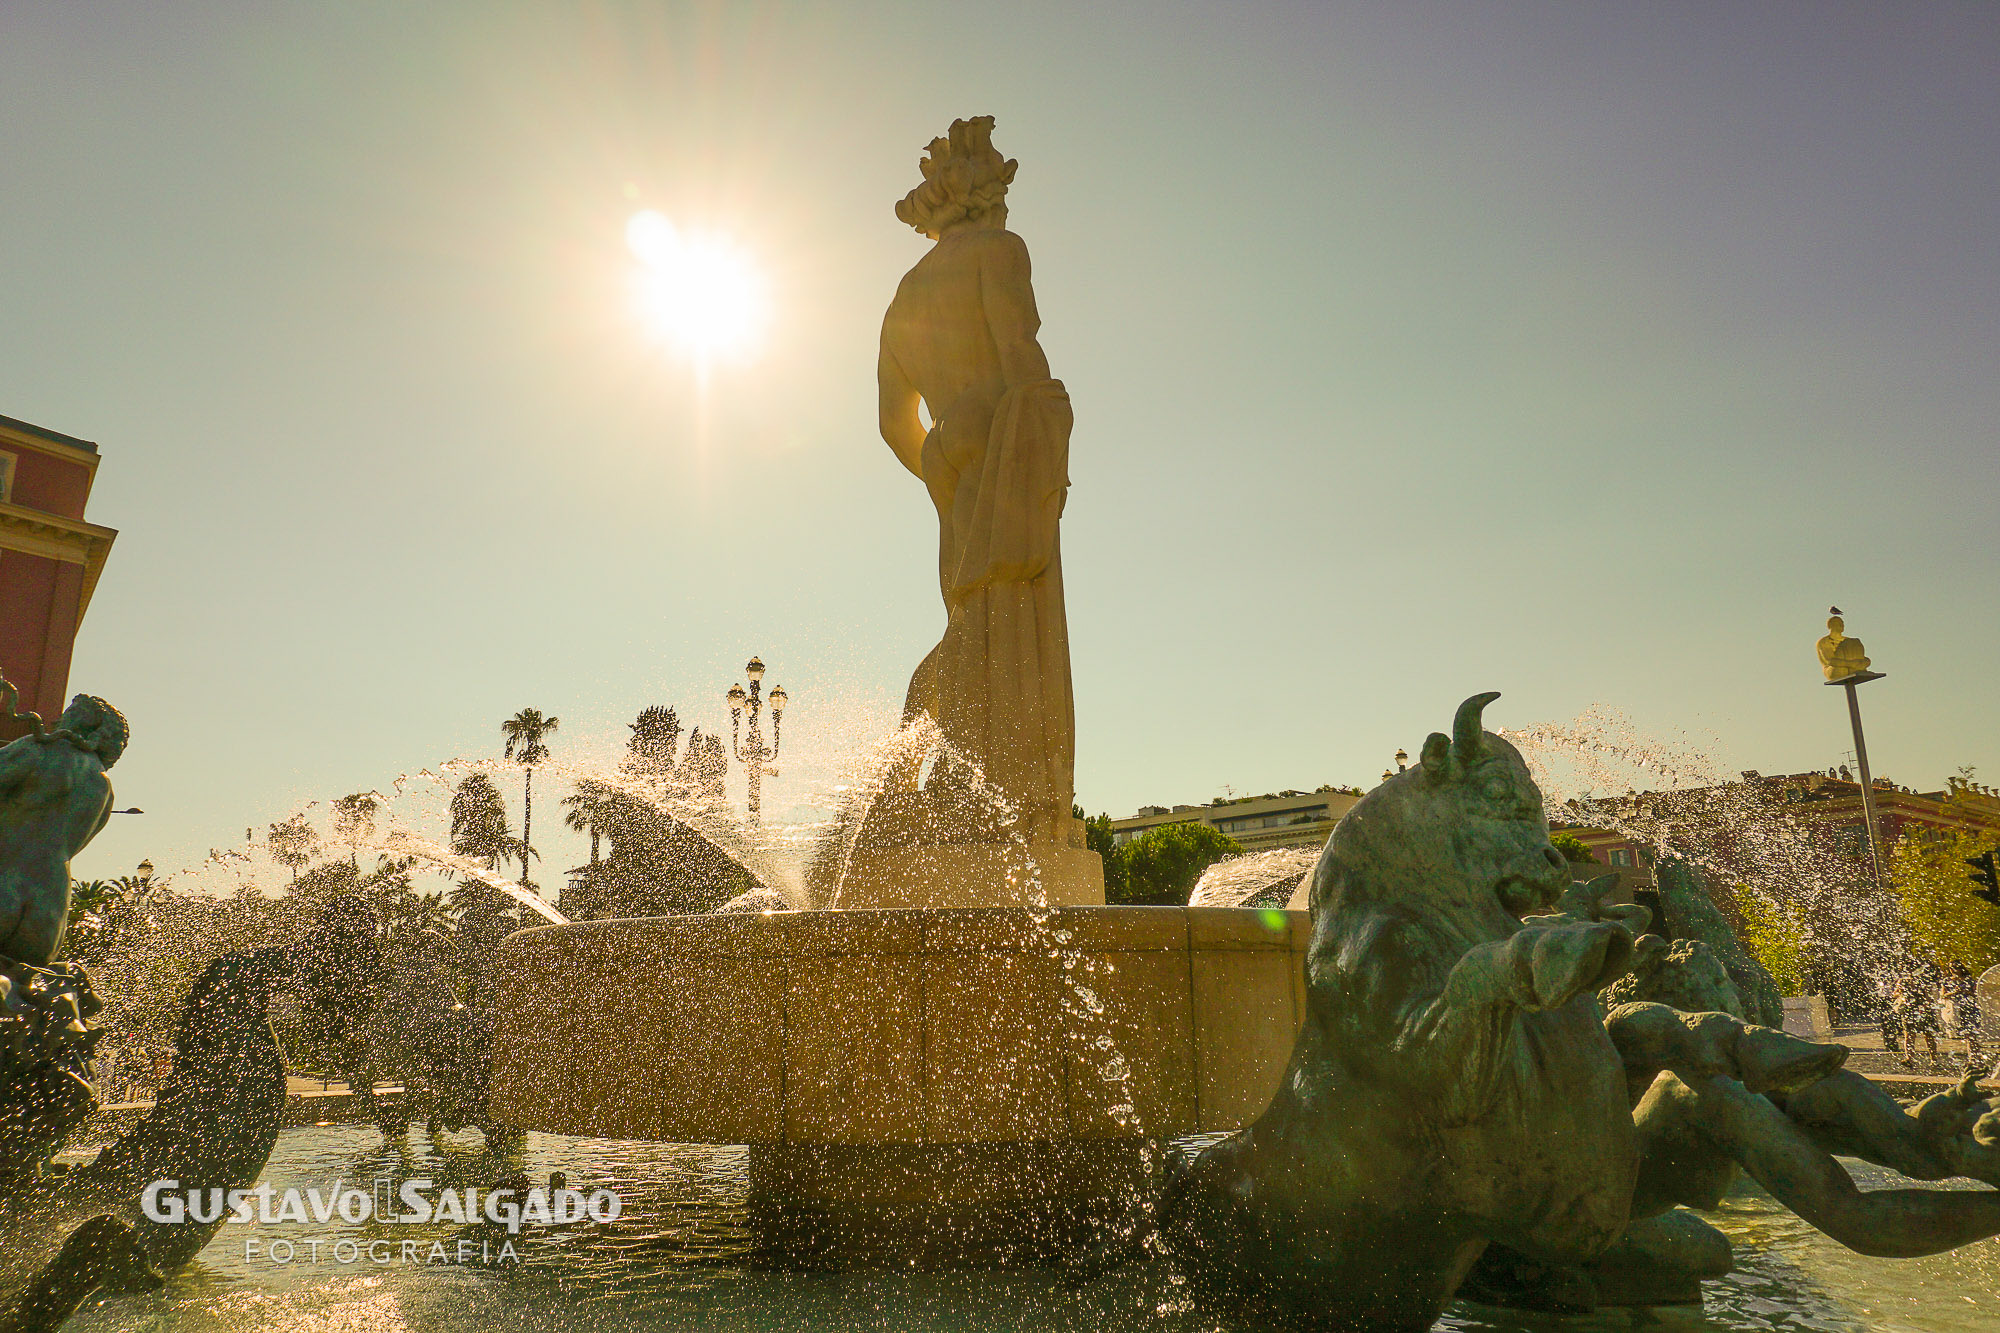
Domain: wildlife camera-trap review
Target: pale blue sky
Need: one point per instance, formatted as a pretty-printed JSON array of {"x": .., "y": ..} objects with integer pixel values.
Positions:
[{"x": 1584, "y": 352}]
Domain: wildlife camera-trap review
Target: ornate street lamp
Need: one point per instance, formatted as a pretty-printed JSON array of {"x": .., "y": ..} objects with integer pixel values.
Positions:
[{"x": 749, "y": 744}]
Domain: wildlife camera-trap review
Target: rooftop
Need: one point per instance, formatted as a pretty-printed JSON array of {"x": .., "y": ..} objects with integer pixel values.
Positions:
[{"x": 52, "y": 436}]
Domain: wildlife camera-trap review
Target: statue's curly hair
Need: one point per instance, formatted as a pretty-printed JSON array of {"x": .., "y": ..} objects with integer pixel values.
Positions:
[
  {"x": 89, "y": 723},
  {"x": 965, "y": 178}
]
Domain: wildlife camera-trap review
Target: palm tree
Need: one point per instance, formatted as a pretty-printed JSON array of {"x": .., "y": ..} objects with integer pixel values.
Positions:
[
  {"x": 588, "y": 806},
  {"x": 524, "y": 732},
  {"x": 354, "y": 822}
]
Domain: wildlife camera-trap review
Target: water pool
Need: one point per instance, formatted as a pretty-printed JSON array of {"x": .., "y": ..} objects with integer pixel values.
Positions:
[{"x": 681, "y": 1257}]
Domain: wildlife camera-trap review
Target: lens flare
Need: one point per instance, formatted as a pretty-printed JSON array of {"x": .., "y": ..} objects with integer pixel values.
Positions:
[{"x": 700, "y": 292}]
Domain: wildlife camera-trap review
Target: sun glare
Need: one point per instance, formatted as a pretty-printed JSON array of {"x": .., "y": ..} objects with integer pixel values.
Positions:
[{"x": 701, "y": 292}]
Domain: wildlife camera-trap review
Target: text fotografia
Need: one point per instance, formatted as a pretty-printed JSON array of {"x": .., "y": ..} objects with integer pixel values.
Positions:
[
  {"x": 377, "y": 1252},
  {"x": 164, "y": 1201}
]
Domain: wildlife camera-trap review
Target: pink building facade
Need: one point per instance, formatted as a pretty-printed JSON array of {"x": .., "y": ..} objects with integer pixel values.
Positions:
[{"x": 50, "y": 560}]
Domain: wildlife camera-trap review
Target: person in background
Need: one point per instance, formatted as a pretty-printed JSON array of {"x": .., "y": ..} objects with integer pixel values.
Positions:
[
  {"x": 1892, "y": 1018},
  {"x": 1921, "y": 1017},
  {"x": 1915, "y": 1009},
  {"x": 1963, "y": 990}
]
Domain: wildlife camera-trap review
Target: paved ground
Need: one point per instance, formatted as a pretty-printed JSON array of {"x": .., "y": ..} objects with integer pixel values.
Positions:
[{"x": 1922, "y": 1076}]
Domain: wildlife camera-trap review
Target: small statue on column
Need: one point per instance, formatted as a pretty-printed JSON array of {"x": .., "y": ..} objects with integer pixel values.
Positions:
[{"x": 1840, "y": 656}]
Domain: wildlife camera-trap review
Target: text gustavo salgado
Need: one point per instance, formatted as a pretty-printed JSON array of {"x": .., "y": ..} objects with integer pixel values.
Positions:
[{"x": 165, "y": 1202}]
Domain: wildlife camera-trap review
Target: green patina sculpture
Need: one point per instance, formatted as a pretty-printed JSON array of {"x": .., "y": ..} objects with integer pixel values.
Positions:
[
  {"x": 1456, "y": 1085},
  {"x": 212, "y": 1128},
  {"x": 102, "y": 1254},
  {"x": 1694, "y": 916},
  {"x": 54, "y": 798},
  {"x": 217, "y": 1118},
  {"x": 1453, "y": 1083}
]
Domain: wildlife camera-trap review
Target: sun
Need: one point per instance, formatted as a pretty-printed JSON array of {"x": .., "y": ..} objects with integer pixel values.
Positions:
[{"x": 700, "y": 292}]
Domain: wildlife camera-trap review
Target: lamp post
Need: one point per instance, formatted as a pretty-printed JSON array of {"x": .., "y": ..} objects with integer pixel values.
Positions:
[
  {"x": 1844, "y": 664},
  {"x": 749, "y": 744}
]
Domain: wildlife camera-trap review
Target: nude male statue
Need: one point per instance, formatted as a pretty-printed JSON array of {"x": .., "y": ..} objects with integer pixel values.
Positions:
[
  {"x": 960, "y": 337},
  {"x": 54, "y": 798}
]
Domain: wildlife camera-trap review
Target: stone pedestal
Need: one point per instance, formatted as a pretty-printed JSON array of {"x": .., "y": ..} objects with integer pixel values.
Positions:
[
  {"x": 947, "y": 847},
  {"x": 980, "y": 874}
]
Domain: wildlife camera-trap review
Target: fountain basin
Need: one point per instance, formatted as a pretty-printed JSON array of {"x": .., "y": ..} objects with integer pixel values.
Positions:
[
  {"x": 944, "y": 1026},
  {"x": 917, "y": 1087}
]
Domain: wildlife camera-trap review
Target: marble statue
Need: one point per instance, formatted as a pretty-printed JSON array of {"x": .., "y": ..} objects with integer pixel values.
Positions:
[
  {"x": 1840, "y": 656},
  {"x": 1456, "y": 1085},
  {"x": 959, "y": 339},
  {"x": 54, "y": 798}
]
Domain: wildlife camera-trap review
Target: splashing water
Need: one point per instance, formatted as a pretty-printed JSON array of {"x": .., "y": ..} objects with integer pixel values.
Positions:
[
  {"x": 1234, "y": 882},
  {"x": 398, "y": 842},
  {"x": 1744, "y": 835}
]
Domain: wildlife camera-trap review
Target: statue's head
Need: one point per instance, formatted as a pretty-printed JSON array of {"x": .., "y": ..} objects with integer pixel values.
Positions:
[
  {"x": 1836, "y": 626},
  {"x": 965, "y": 180},
  {"x": 1460, "y": 836},
  {"x": 95, "y": 725}
]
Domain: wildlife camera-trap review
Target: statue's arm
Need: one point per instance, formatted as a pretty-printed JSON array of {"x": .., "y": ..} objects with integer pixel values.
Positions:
[
  {"x": 1452, "y": 1032},
  {"x": 1955, "y": 1133},
  {"x": 1008, "y": 297},
  {"x": 18, "y": 768},
  {"x": 1440, "y": 1024},
  {"x": 902, "y": 428}
]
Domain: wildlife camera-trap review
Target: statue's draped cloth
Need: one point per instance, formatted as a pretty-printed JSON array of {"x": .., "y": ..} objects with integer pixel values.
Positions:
[{"x": 998, "y": 683}]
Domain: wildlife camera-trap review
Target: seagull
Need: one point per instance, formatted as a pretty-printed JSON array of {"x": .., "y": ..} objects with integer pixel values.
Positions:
[{"x": 1833, "y": 611}]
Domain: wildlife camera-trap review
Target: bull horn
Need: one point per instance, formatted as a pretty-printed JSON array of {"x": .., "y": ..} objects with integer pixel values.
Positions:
[{"x": 1468, "y": 737}]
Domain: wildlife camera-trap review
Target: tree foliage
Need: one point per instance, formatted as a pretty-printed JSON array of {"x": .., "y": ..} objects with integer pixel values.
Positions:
[
  {"x": 1097, "y": 834},
  {"x": 292, "y": 844},
  {"x": 1573, "y": 849},
  {"x": 1161, "y": 866},
  {"x": 479, "y": 821},
  {"x": 658, "y": 865},
  {"x": 354, "y": 822},
  {"x": 1776, "y": 941},
  {"x": 1933, "y": 892}
]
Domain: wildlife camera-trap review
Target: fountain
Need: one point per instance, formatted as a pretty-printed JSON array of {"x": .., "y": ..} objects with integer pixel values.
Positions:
[
  {"x": 937, "y": 1046},
  {"x": 960, "y": 1037}
]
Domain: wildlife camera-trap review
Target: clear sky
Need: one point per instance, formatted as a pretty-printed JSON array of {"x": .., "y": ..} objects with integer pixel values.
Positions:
[{"x": 1584, "y": 352}]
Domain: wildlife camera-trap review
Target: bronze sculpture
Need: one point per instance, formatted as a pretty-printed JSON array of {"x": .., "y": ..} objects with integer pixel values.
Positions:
[{"x": 1457, "y": 1086}]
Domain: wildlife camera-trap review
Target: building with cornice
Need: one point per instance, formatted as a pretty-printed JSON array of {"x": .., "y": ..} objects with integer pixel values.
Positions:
[
  {"x": 1259, "y": 823},
  {"x": 50, "y": 560}
]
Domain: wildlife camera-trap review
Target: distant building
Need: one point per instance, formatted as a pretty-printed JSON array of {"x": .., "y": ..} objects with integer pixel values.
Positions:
[
  {"x": 50, "y": 560},
  {"x": 1260, "y": 823}
]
